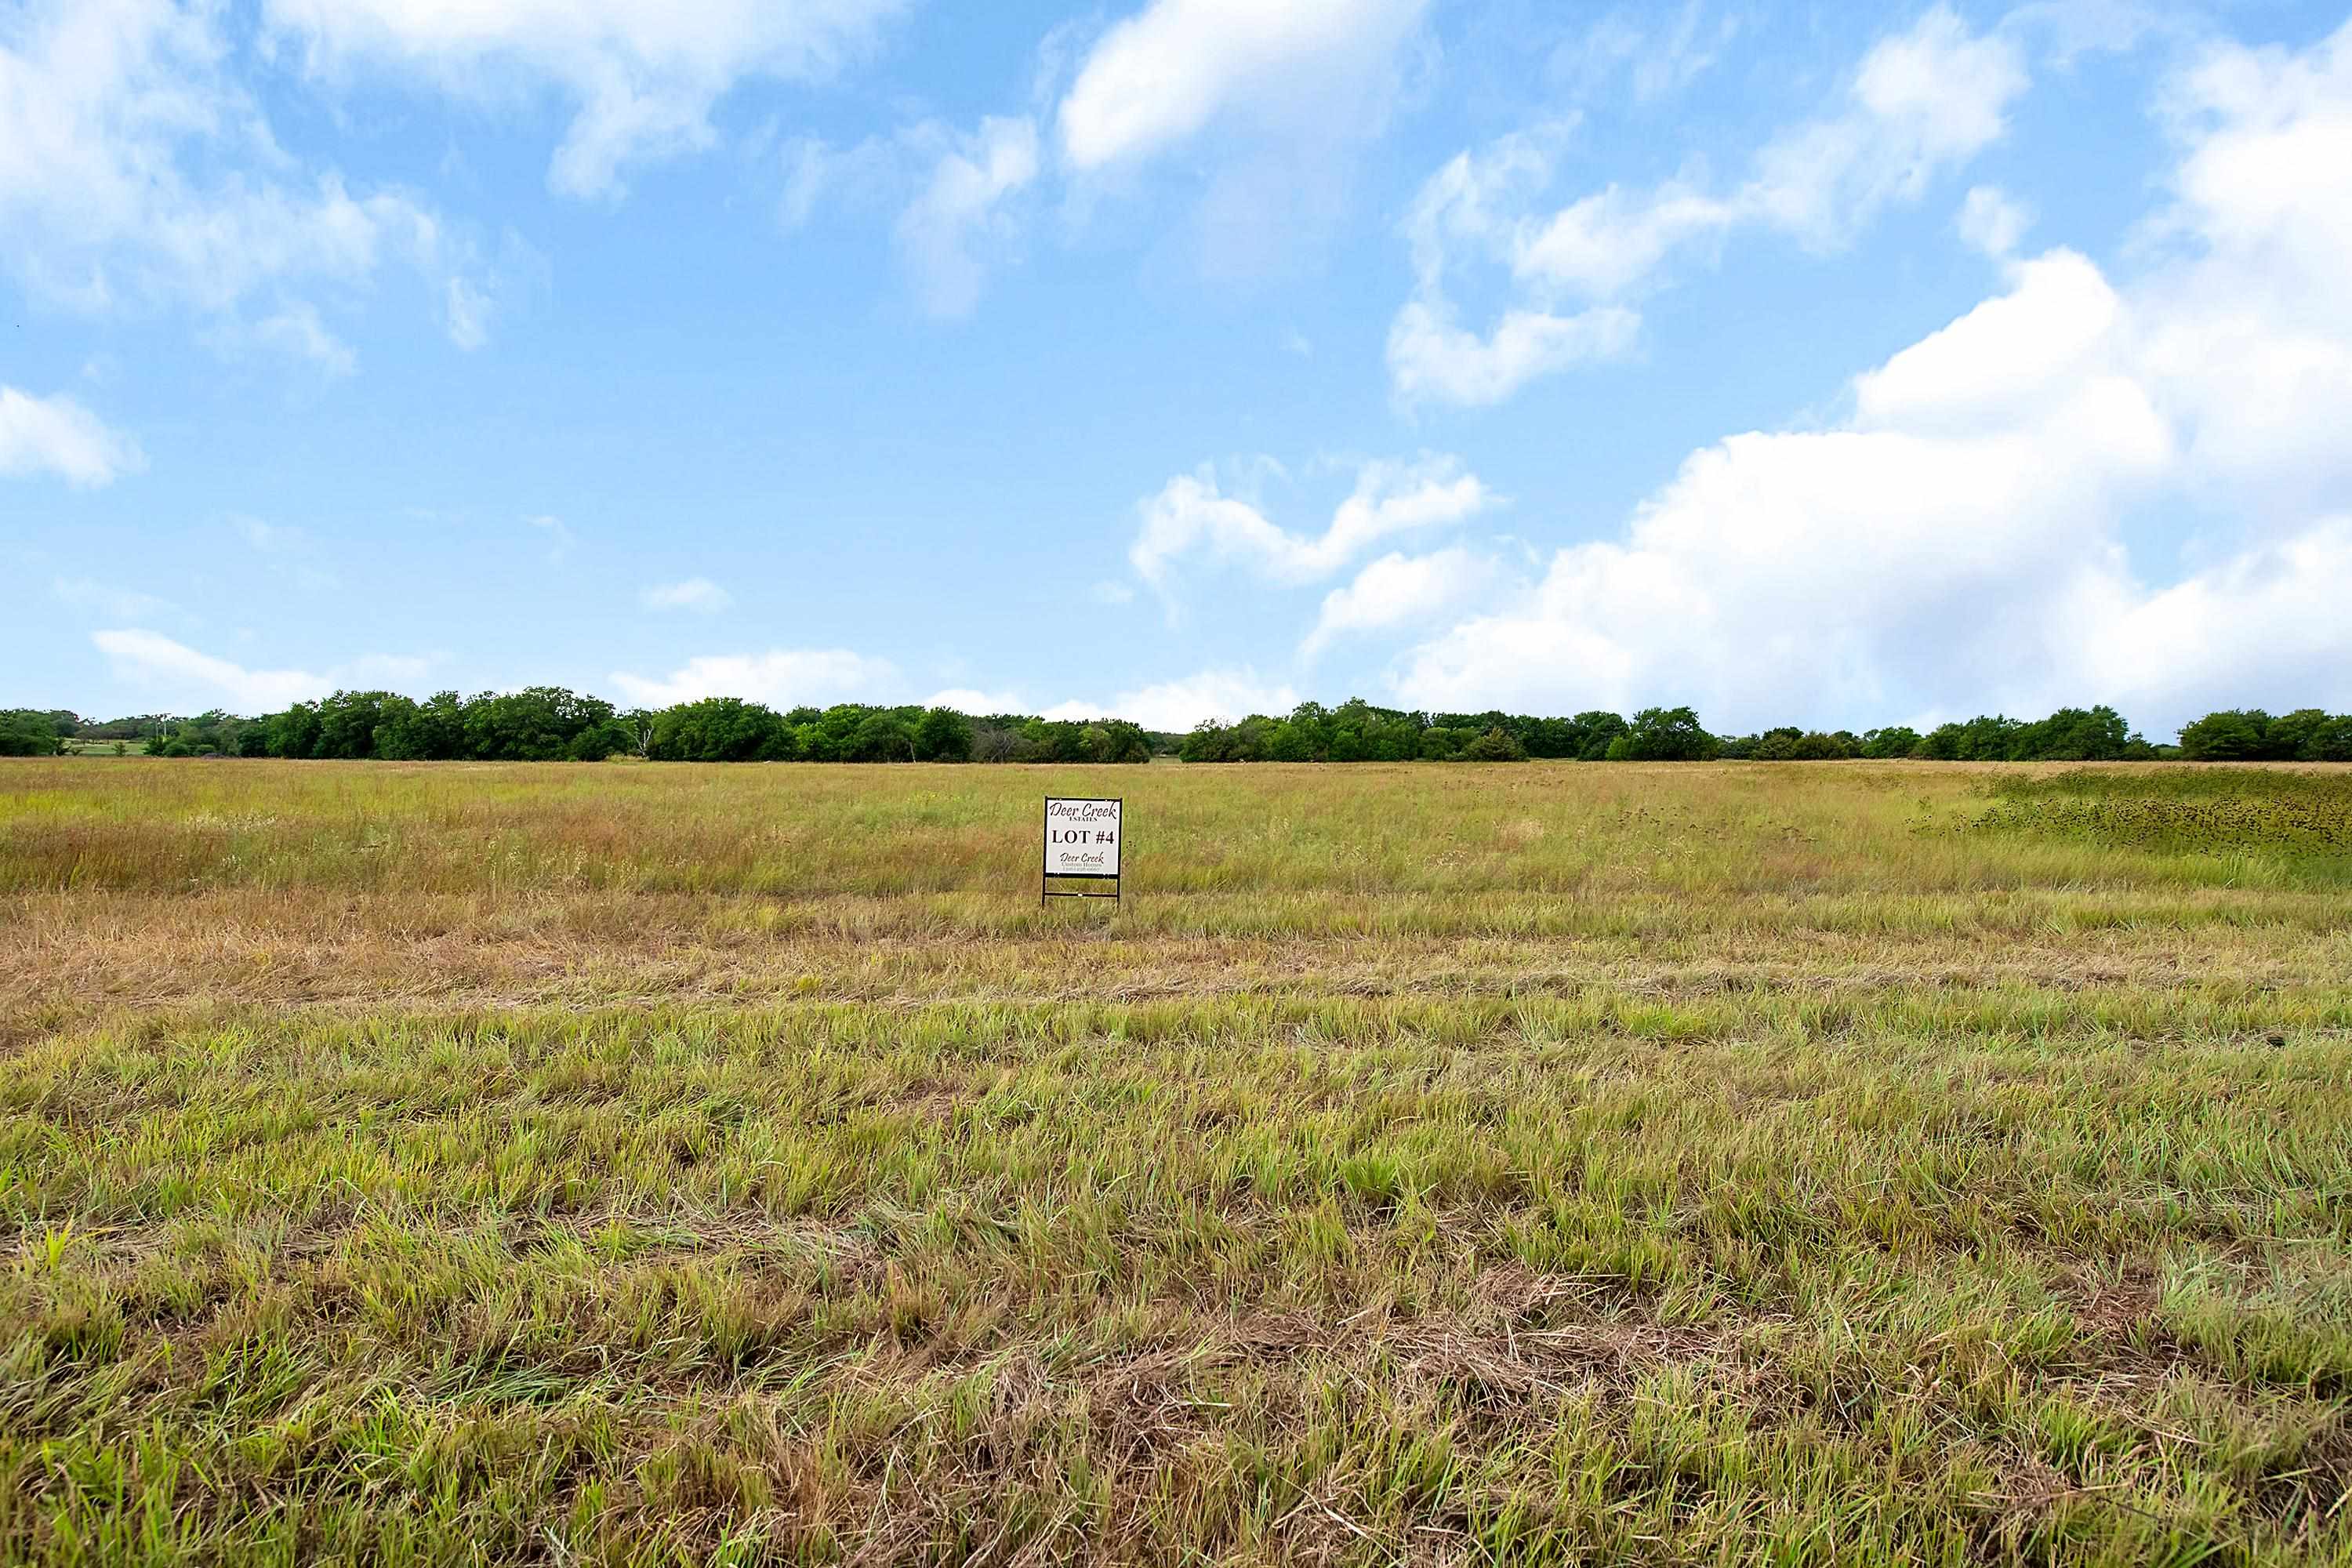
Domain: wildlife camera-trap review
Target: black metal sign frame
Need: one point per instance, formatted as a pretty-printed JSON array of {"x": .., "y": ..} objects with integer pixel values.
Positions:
[{"x": 1045, "y": 878}]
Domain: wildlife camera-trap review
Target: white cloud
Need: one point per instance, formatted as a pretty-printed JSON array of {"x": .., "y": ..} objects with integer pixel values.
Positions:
[
  {"x": 699, "y": 594},
  {"x": 1919, "y": 102},
  {"x": 1658, "y": 61},
  {"x": 1160, "y": 78},
  {"x": 814, "y": 170},
  {"x": 780, "y": 677},
  {"x": 642, "y": 78},
  {"x": 1257, "y": 110},
  {"x": 1922, "y": 101},
  {"x": 969, "y": 699},
  {"x": 56, "y": 434},
  {"x": 467, "y": 307},
  {"x": 1961, "y": 543},
  {"x": 134, "y": 172},
  {"x": 1179, "y": 704},
  {"x": 1192, "y": 515},
  {"x": 1431, "y": 358},
  {"x": 296, "y": 330},
  {"x": 1992, "y": 222},
  {"x": 957, "y": 211},
  {"x": 954, "y": 191},
  {"x": 111, "y": 602},
  {"x": 1604, "y": 244},
  {"x": 1400, "y": 590},
  {"x": 186, "y": 676}
]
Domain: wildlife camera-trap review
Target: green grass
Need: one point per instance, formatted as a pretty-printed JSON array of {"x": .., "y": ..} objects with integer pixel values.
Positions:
[
  {"x": 2297, "y": 819},
  {"x": 1542, "y": 1165}
]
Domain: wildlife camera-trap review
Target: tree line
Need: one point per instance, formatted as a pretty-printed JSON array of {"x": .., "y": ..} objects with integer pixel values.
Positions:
[
  {"x": 550, "y": 724},
  {"x": 1355, "y": 730}
]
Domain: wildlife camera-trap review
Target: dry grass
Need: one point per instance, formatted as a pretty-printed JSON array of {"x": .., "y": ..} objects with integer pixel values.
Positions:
[{"x": 1548, "y": 1163}]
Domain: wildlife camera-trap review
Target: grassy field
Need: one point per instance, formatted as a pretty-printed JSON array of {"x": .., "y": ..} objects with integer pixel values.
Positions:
[{"x": 1821, "y": 1163}]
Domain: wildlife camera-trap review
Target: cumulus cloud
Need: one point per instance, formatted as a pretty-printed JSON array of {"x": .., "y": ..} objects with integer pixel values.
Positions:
[
  {"x": 1179, "y": 704},
  {"x": 1268, "y": 103},
  {"x": 1962, "y": 538},
  {"x": 1919, "y": 102},
  {"x": 1192, "y": 515},
  {"x": 642, "y": 78},
  {"x": 57, "y": 436},
  {"x": 176, "y": 671},
  {"x": 134, "y": 171},
  {"x": 780, "y": 677},
  {"x": 1400, "y": 590},
  {"x": 1160, "y": 78},
  {"x": 971, "y": 699},
  {"x": 699, "y": 594}
]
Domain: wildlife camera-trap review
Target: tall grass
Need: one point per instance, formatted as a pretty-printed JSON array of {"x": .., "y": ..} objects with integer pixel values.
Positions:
[{"x": 1535, "y": 1165}]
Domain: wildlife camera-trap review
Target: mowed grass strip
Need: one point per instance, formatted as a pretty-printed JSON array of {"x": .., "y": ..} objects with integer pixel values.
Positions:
[{"x": 1351, "y": 1280}]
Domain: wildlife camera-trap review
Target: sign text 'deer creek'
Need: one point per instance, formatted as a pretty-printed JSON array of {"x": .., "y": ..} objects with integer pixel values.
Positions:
[{"x": 1082, "y": 840}]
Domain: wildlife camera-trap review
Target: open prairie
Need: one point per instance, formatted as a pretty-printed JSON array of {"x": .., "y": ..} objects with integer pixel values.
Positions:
[{"x": 1826, "y": 1163}]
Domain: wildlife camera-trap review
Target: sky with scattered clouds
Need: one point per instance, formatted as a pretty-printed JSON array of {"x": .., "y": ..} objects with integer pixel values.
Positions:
[{"x": 1180, "y": 359}]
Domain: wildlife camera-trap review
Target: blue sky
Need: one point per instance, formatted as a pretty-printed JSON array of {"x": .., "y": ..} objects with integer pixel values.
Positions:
[{"x": 1179, "y": 358}]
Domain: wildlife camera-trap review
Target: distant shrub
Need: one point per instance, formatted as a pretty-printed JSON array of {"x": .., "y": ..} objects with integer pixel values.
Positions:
[
  {"x": 1494, "y": 746},
  {"x": 1664, "y": 735}
]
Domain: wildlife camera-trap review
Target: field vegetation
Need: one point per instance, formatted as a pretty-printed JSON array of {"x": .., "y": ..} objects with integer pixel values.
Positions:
[{"x": 1677, "y": 1163}]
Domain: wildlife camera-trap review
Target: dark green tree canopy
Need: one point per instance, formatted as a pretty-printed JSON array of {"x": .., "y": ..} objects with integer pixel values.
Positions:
[{"x": 552, "y": 723}]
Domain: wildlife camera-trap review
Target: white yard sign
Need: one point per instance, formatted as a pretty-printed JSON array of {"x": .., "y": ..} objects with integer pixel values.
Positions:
[{"x": 1082, "y": 837}]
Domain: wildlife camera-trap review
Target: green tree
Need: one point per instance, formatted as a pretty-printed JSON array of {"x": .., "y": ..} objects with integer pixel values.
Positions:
[
  {"x": 294, "y": 732},
  {"x": 1589, "y": 735},
  {"x": 430, "y": 731},
  {"x": 1894, "y": 741},
  {"x": 1664, "y": 735},
  {"x": 882, "y": 736},
  {"x": 714, "y": 730},
  {"x": 1130, "y": 743},
  {"x": 2072, "y": 735},
  {"x": 27, "y": 733},
  {"x": 2288, "y": 735},
  {"x": 1494, "y": 744},
  {"x": 2330, "y": 743},
  {"x": 348, "y": 722},
  {"x": 536, "y": 724},
  {"x": 1287, "y": 741},
  {"x": 2235, "y": 734},
  {"x": 943, "y": 735},
  {"x": 1440, "y": 744}
]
